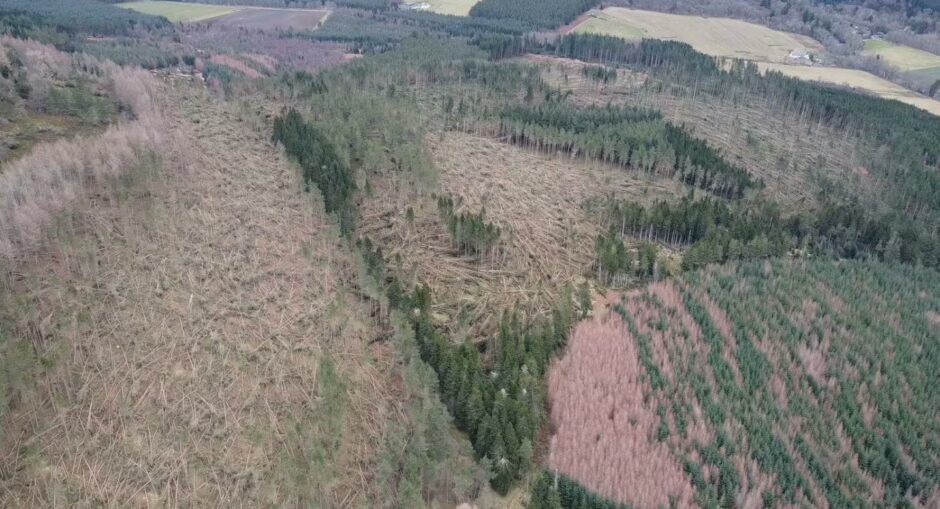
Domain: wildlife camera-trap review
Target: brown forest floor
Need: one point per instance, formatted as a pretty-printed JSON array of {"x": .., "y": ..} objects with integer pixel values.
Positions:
[{"x": 185, "y": 325}]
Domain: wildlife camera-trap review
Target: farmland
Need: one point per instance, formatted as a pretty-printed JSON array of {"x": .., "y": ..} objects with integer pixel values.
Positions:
[
  {"x": 857, "y": 79},
  {"x": 721, "y": 37},
  {"x": 179, "y": 11},
  {"x": 902, "y": 57},
  {"x": 257, "y": 18},
  {"x": 786, "y": 402},
  {"x": 451, "y": 7},
  {"x": 730, "y": 38}
]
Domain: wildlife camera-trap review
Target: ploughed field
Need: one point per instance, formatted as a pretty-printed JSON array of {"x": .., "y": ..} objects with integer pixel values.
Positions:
[
  {"x": 809, "y": 383},
  {"x": 258, "y": 18}
]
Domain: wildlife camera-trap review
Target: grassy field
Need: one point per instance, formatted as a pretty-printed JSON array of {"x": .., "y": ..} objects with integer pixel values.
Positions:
[
  {"x": 857, "y": 79},
  {"x": 714, "y": 36},
  {"x": 903, "y": 57},
  {"x": 452, "y": 7},
  {"x": 179, "y": 11}
]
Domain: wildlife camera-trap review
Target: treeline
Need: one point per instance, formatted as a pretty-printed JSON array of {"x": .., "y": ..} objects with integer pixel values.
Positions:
[
  {"x": 555, "y": 491},
  {"x": 715, "y": 232},
  {"x": 626, "y": 137},
  {"x": 541, "y": 13},
  {"x": 470, "y": 232},
  {"x": 497, "y": 401},
  {"x": 320, "y": 164},
  {"x": 42, "y": 19}
]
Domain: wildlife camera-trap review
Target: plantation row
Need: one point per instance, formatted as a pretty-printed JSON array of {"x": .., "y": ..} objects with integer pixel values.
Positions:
[
  {"x": 626, "y": 137},
  {"x": 805, "y": 389}
]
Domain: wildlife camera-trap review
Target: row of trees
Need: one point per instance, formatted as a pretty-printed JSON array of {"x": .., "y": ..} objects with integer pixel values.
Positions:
[
  {"x": 541, "y": 13},
  {"x": 716, "y": 231},
  {"x": 320, "y": 164},
  {"x": 470, "y": 232},
  {"x": 627, "y": 137}
]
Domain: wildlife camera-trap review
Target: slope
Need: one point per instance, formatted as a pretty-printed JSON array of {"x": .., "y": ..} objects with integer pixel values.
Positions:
[
  {"x": 824, "y": 394},
  {"x": 194, "y": 343}
]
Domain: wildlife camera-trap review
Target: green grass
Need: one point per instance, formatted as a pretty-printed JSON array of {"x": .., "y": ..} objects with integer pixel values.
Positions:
[
  {"x": 904, "y": 58},
  {"x": 179, "y": 11},
  {"x": 603, "y": 24},
  {"x": 451, "y": 7}
]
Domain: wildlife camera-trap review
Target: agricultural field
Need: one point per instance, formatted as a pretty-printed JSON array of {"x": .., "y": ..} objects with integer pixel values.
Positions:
[
  {"x": 274, "y": 19},
  {"x": 256, "y": 18},
  {"x": 450, "y": 7},
  {"x": 855, "y": 78},
  {"x": 905, "y": 58},
  {"x": 721, "y": 37},
  {"x": 686, "y": 393},
  {"x": 537, "y": 258},
  {"x": 179, "y": 11}
]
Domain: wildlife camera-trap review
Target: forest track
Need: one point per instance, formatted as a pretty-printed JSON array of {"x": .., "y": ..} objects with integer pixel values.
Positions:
[{"x": 189, "y": 323}]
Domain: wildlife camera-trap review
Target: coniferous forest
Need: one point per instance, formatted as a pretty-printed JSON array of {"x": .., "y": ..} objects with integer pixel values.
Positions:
[{"x": 470, "y": 259}]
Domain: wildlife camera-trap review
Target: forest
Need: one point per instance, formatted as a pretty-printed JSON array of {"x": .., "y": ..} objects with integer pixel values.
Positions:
[
  {"x": 544, "y": 14},
  {"x": 683, "y": 322},
  {"x": 627, "y": 137}
]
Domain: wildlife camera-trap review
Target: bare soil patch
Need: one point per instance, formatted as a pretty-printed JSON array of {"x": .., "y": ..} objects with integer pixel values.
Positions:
[{"x": 274, "y": 19}]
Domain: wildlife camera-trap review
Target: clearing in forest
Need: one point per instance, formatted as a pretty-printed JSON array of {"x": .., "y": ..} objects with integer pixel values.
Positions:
[
  {"x": 546, "y": 206},
  {"x": 451, "y": 7},
  {"x": 722, "y": 37},
  {"x": 856, "y": 79},
  {"x": 903, "y": 57},
  {"x": 180, "y": 11}
]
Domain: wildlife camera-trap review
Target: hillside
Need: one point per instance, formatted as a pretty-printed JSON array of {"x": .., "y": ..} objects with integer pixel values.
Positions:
[
  {"x": 762, "y": 383},
  {"x": 388, "y": 257}
]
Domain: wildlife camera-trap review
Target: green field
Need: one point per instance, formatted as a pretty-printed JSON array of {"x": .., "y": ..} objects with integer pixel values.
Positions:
[
  {"x": 904, "y": 58},
  {"x": 452, "y": 7},
  {"x": 179, "y": 11},
  {"x": 721, "y": 37}
]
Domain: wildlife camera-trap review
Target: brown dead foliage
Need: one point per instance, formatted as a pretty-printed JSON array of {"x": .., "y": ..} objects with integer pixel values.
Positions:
[
  {"x": 186, "y": 322},
  {"x": 541, "y": 203},
  {"x": 604, "y": 430},
  {"x": 775, "y": 145}
]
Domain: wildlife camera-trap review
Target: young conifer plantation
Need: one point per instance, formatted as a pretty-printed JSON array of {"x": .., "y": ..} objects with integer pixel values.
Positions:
[{"x": 395, "y": 258}]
